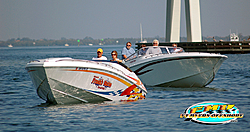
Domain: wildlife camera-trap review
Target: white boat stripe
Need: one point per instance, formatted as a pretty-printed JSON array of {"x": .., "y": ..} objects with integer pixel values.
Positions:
[{"x": 70, "y": 95}]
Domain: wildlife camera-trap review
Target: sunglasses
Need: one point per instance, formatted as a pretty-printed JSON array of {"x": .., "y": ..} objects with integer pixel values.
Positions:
[
  {"x": 113, "y": 54},
  {"x": 128, "y": 45}
]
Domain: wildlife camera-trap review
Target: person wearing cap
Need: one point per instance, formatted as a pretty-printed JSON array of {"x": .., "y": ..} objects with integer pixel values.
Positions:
[
  {"x": 127, "y": 51},
  {"x": 99, "y": 55}
]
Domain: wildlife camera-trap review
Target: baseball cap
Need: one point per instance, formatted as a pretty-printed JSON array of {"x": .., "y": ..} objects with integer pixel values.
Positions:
[{"x": 99, "y": 50}]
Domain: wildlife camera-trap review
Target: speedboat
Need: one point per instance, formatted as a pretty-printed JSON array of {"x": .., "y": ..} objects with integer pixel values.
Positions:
[
  {"x": 67, "y": 80},
  {"x": 10, "y": 45},
  {"x": 168, "y": 68}
]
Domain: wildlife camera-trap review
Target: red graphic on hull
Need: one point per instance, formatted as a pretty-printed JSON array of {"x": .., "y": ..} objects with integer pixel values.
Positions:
[{"x": 133, "y": 94}]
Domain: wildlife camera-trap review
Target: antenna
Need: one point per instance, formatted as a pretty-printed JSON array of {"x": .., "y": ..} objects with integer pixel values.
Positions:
[
  {"x": 18, "y": 30},
  {"x": 141, "y": 31}
]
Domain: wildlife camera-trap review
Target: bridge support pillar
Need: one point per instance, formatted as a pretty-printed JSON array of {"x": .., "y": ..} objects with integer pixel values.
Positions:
[{"x": 193, "y": 21}]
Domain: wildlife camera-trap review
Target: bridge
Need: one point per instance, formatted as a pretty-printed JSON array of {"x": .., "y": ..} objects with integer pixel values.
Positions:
[{"x": 193, "y": 26}]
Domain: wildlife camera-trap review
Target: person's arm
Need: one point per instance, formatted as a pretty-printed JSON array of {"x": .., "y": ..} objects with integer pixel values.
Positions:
[
  {"x": 118, "y": 60},
  {"x": 123, "y": 53},
  {"x": 124, "y": 56}
]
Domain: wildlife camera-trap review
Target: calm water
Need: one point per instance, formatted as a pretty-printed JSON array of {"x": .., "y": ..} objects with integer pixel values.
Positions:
[{"x": 22, "y": 110}]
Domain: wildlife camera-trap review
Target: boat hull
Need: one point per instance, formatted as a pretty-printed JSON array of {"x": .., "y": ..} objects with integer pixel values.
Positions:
[
  {"x": 177, "y": 70},
  {"x": 67, "y": 81}
]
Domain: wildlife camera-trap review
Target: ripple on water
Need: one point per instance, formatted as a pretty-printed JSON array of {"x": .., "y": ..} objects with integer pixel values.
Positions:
[{"x": 22, "y": 110}]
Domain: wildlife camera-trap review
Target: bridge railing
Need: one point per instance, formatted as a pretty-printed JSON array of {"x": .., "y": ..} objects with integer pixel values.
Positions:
[{"x": 230, "y": 47}]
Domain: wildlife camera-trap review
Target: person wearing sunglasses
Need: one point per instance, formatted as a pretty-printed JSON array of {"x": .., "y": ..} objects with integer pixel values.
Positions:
[
  {"x": 155, "y": 49},
  {"x": 175, "y": 49},
  {"x": 127, "y": 51},
  {"x": 99, "y": 55},
  {"x": 143, "y": 49},
  {"x": 114, "y": 55}
]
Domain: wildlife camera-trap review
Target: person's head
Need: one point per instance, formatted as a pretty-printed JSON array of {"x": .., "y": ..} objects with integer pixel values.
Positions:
[
  {"x": 143, "y": 45},
  {"x": 128, "y": 45},
  {"x": 99, "y": 52},
  {"x": 114, "y": 54},
  {"x": 155, "y": 42},
  {"x": 174, "y": 45}
]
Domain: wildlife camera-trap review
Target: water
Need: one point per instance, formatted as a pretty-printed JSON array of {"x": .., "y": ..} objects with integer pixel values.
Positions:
[{"x": 22, "y": 110}]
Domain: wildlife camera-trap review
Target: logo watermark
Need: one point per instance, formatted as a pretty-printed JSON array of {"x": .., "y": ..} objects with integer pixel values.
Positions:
[{"x": 212, "y": 113}]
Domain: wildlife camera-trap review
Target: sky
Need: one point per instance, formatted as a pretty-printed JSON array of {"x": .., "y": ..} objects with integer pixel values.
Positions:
[{"x": 100, "y": 19}]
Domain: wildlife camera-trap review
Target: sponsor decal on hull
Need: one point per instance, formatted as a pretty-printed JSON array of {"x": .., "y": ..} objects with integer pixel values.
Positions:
[
  {"x": 132, "y": 93},
  {"x": 100, "y": 83}
]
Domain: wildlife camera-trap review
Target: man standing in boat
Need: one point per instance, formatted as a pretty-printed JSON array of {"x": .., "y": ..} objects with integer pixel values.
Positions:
[
  {"x": 154, "y": 49},
  {"x": 99, "y": 55},
  {"x": 127, "y": 51}
]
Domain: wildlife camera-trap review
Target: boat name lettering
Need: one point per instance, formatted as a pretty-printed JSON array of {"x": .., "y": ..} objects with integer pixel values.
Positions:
[
  {"x": 82, "y": 68},
  {"x": 107, "y": 83},
  {"x": 132, "y": 61},
  {"x": 100, "y": 83}
]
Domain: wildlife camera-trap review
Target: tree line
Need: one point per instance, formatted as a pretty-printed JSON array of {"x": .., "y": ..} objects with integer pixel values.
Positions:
[{"x": 89, "y": 40}]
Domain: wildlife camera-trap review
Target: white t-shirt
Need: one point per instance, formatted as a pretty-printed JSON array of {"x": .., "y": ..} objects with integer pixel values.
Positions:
[
  {"x": 102, "y": 58},
  {"x": 176, "y": 50},
  {"x": 154, "y": 50}
]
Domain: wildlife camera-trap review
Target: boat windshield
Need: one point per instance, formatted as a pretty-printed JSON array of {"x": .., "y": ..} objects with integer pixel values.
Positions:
[{"x": 155, "y": 50}]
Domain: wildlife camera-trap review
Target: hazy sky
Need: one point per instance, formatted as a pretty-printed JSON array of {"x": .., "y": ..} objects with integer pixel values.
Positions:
[{"x": 53, "y": 19}]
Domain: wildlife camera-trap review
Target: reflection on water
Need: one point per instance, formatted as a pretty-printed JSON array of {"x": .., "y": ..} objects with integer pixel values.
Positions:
[
  {"x": 81, "y": 105},
  {"x": 185, "y": 89}
]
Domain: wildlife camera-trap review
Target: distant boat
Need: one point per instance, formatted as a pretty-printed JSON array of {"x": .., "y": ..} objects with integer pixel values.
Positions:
[
  {"x": 100, "y": 44},
  {"x": 234, "y": 37},
  {"x": 10, "y": 45},
  {"x": 66, "y": 44},
  {"x": 90, "y": 44},
  {"x": 142, "y": 41}
]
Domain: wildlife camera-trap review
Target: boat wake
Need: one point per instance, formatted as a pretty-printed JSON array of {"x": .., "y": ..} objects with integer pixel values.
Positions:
[{"x": 188, "y": 89}]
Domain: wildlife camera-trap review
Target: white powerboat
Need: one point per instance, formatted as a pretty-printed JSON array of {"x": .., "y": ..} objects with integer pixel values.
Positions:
[
  {"x": 67, "y": 80},
  {"x": 169, "y": 68}
]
